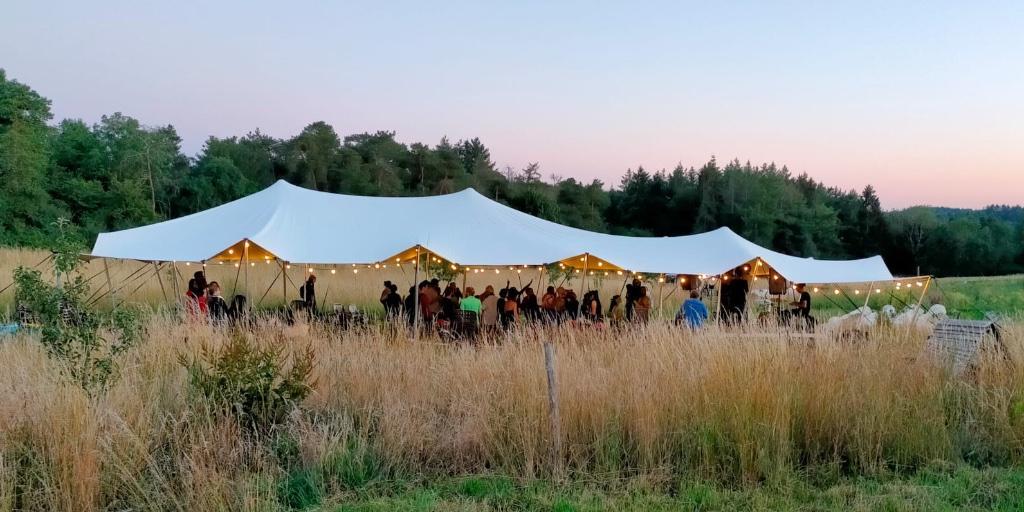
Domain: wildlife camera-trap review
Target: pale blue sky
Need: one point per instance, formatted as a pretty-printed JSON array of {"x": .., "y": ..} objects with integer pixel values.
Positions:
[{"x": 923, "y": 99}]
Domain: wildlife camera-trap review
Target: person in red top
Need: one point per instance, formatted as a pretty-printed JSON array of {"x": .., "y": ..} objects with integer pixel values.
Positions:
[{"x": 195, "y": 301}]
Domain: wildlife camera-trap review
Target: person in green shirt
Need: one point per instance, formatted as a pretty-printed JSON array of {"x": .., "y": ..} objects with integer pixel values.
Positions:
[{"x": 470, "y": 302}]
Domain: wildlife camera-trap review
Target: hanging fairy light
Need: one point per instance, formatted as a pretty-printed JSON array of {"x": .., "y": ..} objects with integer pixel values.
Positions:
[
  {"x": 231, "y": 251},
  {"x": 355, "y": 271},
  {"x": 815, "y": 290},
  {"x": 334, "y": 271}
]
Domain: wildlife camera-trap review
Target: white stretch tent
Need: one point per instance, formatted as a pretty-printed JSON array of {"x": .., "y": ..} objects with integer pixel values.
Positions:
[{"x": 296, "y": 225}]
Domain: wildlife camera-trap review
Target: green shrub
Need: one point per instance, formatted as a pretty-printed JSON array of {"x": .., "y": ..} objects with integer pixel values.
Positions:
[
  {"x": 255, "y": 384},
  {"x": 86, "y": 343}
]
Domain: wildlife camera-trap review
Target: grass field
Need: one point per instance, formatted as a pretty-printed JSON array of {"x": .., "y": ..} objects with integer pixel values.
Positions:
[{"x": 652, "y": 418}]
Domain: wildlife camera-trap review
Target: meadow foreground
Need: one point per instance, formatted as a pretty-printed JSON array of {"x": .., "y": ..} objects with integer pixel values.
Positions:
[{"x": 656, "y": 413}]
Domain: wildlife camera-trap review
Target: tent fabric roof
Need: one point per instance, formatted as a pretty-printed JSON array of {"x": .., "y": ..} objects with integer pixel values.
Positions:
[{"x": 305, "y": 226}]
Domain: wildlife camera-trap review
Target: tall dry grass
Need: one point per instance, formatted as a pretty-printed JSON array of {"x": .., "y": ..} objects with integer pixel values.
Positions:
[{"x": 656, "y": 402}]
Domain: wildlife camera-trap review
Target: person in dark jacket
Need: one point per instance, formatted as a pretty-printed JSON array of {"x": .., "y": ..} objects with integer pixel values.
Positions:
[
  {"x": 308, "y": 293},
  {"x": 215, "y": 303},
  {"x": 393, "y": 302}
]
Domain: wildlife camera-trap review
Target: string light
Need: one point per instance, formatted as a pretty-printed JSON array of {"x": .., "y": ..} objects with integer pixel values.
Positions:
[
  {"x": 775, "y": 277},
  {"x": 725, "y": 277},
  {"x": 287, "y": 266},
  {"x": 746, "y": 268},
  {"x": 682, "y": 280},
  {"x": 334, "y": 271},
  {"x": 661, "y": 279},
  {"x": 519, "y": 271},
  {"x": 600, "y": 263},
  {"x": 187, "y": 263},
  {"x": 377, "y": 265},
  {"x": 253, "y": 264},
  {"x": 310, "y": 270},
  {"x": 878, "y": 290},
  {"x": 247, "y": 245},
  {"x": 496, "y": 271},
  {"x": 619, "y": 272},
  {"x": 355, "y": 271},
  {"x": 231, "y": 251},
  {"x": 815, "y": 290},
  {"x": 236, "y": 265},
  {"x": 919, "y": 284},
  {"x": 856, "y": 292},
  {"x": 836, "y": 292}
]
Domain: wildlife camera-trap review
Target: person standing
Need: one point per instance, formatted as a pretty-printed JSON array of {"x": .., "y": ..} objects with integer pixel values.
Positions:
[
  {"x": 692, "y": 311},
  {"x": 490, "y": 308},
  {"x": 642, "y": 306},
  {"x": 215, "y": 303},
  {"x": 392, "y": 302},
  {"x": 307, "y": 292},
  {"x": 195, "y": 297}
]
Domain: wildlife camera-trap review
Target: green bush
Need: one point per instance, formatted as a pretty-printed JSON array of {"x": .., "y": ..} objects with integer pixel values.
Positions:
[
  {"x": 86, "y": 343},
  {"x": 255, "y": 384}
]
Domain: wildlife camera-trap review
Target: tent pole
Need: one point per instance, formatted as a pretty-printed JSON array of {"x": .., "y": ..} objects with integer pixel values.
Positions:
[
  {"x": 584, "y": 285},
  {"x": 174, "y": 281},
  {"x": 416, "y": 295},
  {"x": 110, "y": 286},
  {"x": 245, "y": 258},
  {"x": 866, "y": 299},
  {"x": 661, "y": 297},
  {"x": 160, "y": 279},
  {"x": 718, "y": 304},
  {"x": 284, "y": 284}
]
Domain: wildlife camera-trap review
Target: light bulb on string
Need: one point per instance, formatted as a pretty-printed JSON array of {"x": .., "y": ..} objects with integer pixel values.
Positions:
[{"x": 334, "y": 271}]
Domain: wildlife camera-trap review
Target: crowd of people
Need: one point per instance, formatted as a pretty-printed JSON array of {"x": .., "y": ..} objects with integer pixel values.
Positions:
[
  {"x": 492, "y": 311},
  {"x": 205, "y": 301}
]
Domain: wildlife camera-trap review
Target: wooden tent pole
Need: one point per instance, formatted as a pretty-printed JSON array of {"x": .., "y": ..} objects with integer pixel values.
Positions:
[
  {"x": 174, "y": 281},
  {"x": 416, "y": 295},
  {"x": 110, "y": 286},
  {"x": 661, "y": 297},
  {"x": 718, "y": 304},
  {"x": 245, "y": 260},
  {"x": 160, "y": 279},
  {"x": 284, "y": 283}
]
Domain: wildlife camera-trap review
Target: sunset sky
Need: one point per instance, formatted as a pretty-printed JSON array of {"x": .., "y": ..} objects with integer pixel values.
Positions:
[{"x": 924, "y": 100}]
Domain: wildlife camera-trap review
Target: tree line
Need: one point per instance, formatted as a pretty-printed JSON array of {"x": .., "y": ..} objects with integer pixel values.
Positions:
[{"x": 119, "y": 173}]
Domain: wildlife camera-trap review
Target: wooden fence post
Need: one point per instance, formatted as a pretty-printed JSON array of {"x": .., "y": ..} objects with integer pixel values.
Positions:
[{"x": 553, "y": 415}]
